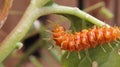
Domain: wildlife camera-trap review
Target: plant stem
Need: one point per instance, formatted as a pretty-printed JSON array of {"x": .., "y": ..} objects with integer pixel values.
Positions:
[
  {"x": 9, "y": 43},
  {"x": 55, "y": 54},
  {"x": 93, "y": 7},
  {"x": 35, "y": 61},
  {"x": 71, "y": 11},
  {"x": 2, "y": 65},
  {"x": 5, "y": 52},
  {"x": 29, "y": 51},
  {"x": 31, "y": 14},
  {"x": 106, "y": 12}
]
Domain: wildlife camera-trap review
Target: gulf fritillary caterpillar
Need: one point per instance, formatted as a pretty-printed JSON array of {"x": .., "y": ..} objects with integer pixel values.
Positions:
[{"x": 86, "y": 38}]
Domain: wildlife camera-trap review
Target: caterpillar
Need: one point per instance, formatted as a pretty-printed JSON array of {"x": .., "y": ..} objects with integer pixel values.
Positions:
[{"x": 85, "y": 39}]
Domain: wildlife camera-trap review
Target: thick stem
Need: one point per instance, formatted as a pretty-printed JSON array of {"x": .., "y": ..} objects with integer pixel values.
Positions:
[
  {"x": 71, "y": 11},
  {"x": 5, "y": 52},
  {"x": 8, "y": 45},
  {"x": 1, "y": 65}
]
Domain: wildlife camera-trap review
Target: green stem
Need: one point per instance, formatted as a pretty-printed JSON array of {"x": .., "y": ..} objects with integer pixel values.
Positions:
[
  {"x": 93, "y": 7},
  {"x": 31, "y": 14},
  {"x": 16, "y": 35},
  {"x": 29, "y": 51},
  {"x": 106, "y": 12},
  {"x": 2, "y": 65},
  {"x": 71, "y": 11},
  {"x": 4, "y": 52},
  {"x": 9, "y": 43},
  {"x": 35, "y": 61},
  {"x": 55, "y": 54}
]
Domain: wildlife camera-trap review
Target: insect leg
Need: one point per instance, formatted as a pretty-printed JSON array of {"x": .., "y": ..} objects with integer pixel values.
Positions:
[
  {"x": 52, "y": 46},
  {"x": 103, "y": 49},
  {"x": 49, "y": 31},
  {"x": 110, "y": 46},
  {"x": 87, "y": 55},
  {"x": 117, "y": 41},
  {"x": 68, "y": 55},
  {"x": 79, "y": 55},
  {"x": 116, "y": 44}
]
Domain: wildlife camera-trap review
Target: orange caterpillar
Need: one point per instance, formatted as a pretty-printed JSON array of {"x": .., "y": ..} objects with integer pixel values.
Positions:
[{"x": 85, "y": 39}]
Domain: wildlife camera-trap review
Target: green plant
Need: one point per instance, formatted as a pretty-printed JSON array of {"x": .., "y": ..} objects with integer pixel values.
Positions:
[{"x": 38, "y": 8}]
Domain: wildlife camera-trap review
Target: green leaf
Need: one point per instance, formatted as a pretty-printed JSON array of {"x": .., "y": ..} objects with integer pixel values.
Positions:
[
  {"x": 110, "y": 58},
  {"x": 78, "y": 24}
]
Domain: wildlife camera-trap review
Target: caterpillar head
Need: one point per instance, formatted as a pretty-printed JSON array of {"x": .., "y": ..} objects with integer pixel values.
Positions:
[
  {"x": 115, "y": 32},
  {"x": 118, "y": 31}
]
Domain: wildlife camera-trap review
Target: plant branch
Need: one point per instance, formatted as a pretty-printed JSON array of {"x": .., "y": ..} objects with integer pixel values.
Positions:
[
  {"x": 71, "y": 11},
  {"x": 9, "y": 43},
  {"x": 5, "y": 52},
  {"x": 29, "y": 52},
  {"x": 93, "y": 7},
  {"x": 1, "y": 65},
  {"x": 35, "y": 61}
]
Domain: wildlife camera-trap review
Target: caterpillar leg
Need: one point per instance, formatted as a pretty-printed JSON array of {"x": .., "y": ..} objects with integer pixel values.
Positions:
[
  {"x": 117, "y": 41},
  {"x": 68, "y": 55},
  {"x": 103, "y": 49},
  {"x": 110, "y": 46},
  {"x": 79, "y": 56},
  {"x": 49, "y": 40},
  {"x": 52, "y": 46},
  {"x": 62, "y": 44},
  {"x": 49, "y": 31},
  {"x": 119, "y": 51},
  {"x": 68, "y": 31},
  {"x": 87, "y": 55},
  {"x": 116, "y": 44},
  {"x": 46, "y": 39}
]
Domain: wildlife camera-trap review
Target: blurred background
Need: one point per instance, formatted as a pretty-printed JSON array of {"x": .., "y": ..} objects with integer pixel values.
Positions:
[{"x": 18, "y": 9}]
